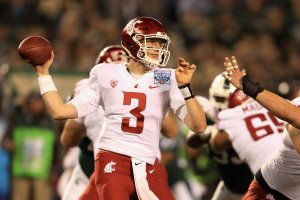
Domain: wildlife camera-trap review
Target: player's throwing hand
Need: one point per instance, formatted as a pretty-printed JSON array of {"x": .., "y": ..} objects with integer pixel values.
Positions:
[{"x": 43, "y": 69}]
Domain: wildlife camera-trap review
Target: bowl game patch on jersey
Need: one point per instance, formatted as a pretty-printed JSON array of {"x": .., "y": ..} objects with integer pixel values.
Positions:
[{"x": 162, "y": 76}]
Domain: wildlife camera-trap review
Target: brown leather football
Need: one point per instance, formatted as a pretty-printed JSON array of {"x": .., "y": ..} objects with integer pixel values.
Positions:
[{"x": 36, "y": 50}]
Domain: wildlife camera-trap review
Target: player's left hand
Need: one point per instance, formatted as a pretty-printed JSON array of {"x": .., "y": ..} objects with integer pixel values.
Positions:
[
  {"x": 184, "y": 72},
  {"x": 233, "y": 73}
]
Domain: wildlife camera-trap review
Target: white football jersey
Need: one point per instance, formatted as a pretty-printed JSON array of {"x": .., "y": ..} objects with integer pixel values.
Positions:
[
  {"x": 255, "y": 134},
  {"x": 133, "y": 108},
  {"x": 282, "y": 173}
]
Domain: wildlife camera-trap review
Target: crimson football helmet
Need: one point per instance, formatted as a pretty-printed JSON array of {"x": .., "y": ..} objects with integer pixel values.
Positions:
[
  {"x": 112, "y": 53},
  {"x": 219, "y": 92},
  {"x": 134, "y": 37},
  {"x": 237, "y": 98}
]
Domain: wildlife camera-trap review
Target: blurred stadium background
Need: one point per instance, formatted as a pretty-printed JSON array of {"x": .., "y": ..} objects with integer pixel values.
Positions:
[{"x": 264, "y": 35}]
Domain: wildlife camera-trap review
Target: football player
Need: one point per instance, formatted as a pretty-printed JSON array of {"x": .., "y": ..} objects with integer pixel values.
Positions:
[
  {"x": 248, "y": 128},
  {"x": 135, "y": 97},
  {"x": 280, "y": 175}
]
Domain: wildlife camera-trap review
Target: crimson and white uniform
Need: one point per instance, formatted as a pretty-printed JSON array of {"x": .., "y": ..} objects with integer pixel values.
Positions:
[
  {"x": 282, "y": 172},
  {"x": 255, "y": 133},
  {"x": 133, "y": 108}
]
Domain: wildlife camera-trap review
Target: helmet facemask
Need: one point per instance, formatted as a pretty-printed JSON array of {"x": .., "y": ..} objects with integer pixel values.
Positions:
[{"x": 143, "y": 53}]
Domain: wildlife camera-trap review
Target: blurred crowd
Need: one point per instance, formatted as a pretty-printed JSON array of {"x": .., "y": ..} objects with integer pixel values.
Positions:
[{"x": 263, "y": 34}]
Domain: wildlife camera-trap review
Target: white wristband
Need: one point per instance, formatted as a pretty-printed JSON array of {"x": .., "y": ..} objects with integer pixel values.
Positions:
[{"x": 46, "y": 84}]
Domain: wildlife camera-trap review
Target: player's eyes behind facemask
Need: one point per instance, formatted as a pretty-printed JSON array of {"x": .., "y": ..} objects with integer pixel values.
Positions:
[
  {"x": 157, "y": 41},
  {"x": 152, "y": 42}
]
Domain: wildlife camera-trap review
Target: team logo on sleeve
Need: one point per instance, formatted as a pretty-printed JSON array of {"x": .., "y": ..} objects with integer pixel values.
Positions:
[
  {"x": 113, "y": 83},
  {"x": 162, "y": 76}
]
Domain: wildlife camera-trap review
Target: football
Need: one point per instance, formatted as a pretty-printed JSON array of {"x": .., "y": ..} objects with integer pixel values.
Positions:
[{"x": 35, "y": 50}]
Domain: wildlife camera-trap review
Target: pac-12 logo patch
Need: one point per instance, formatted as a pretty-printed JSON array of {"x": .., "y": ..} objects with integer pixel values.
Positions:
[
  {"x": 162, "y": 76},
  {"x": 113, "y": 83}
]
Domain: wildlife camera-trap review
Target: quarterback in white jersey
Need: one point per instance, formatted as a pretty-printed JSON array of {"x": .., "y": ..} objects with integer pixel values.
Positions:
[
  {"x": 250, "y": 129},
  {"x": 135, "y": 98}
]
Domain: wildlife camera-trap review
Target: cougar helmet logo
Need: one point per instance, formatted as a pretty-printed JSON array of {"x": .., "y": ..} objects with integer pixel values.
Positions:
[
  {"x": 135, "y": 38},
  {"x": 130, "y": 27}
]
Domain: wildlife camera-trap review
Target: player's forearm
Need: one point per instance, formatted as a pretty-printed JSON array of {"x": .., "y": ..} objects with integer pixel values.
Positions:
[
  {"x": 70, "y": 141},
  {"x": 72, "y": 133},
  {"x": 280, "y": 107},
  {"x": 195, "y": 118},
  {"x": 170, "y": 127},
  {"x": 220, "y": 141},
  {"x": 56, "y": 107}
]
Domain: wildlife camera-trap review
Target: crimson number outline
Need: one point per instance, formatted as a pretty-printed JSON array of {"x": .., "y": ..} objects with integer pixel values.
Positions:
[
  {"x": 136, "y": 112},
  {"x": 267, "y": 128}
]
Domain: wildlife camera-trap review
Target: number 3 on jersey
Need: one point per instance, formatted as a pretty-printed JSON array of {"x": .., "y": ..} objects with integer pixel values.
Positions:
[{"x": 136, "y": 112}]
